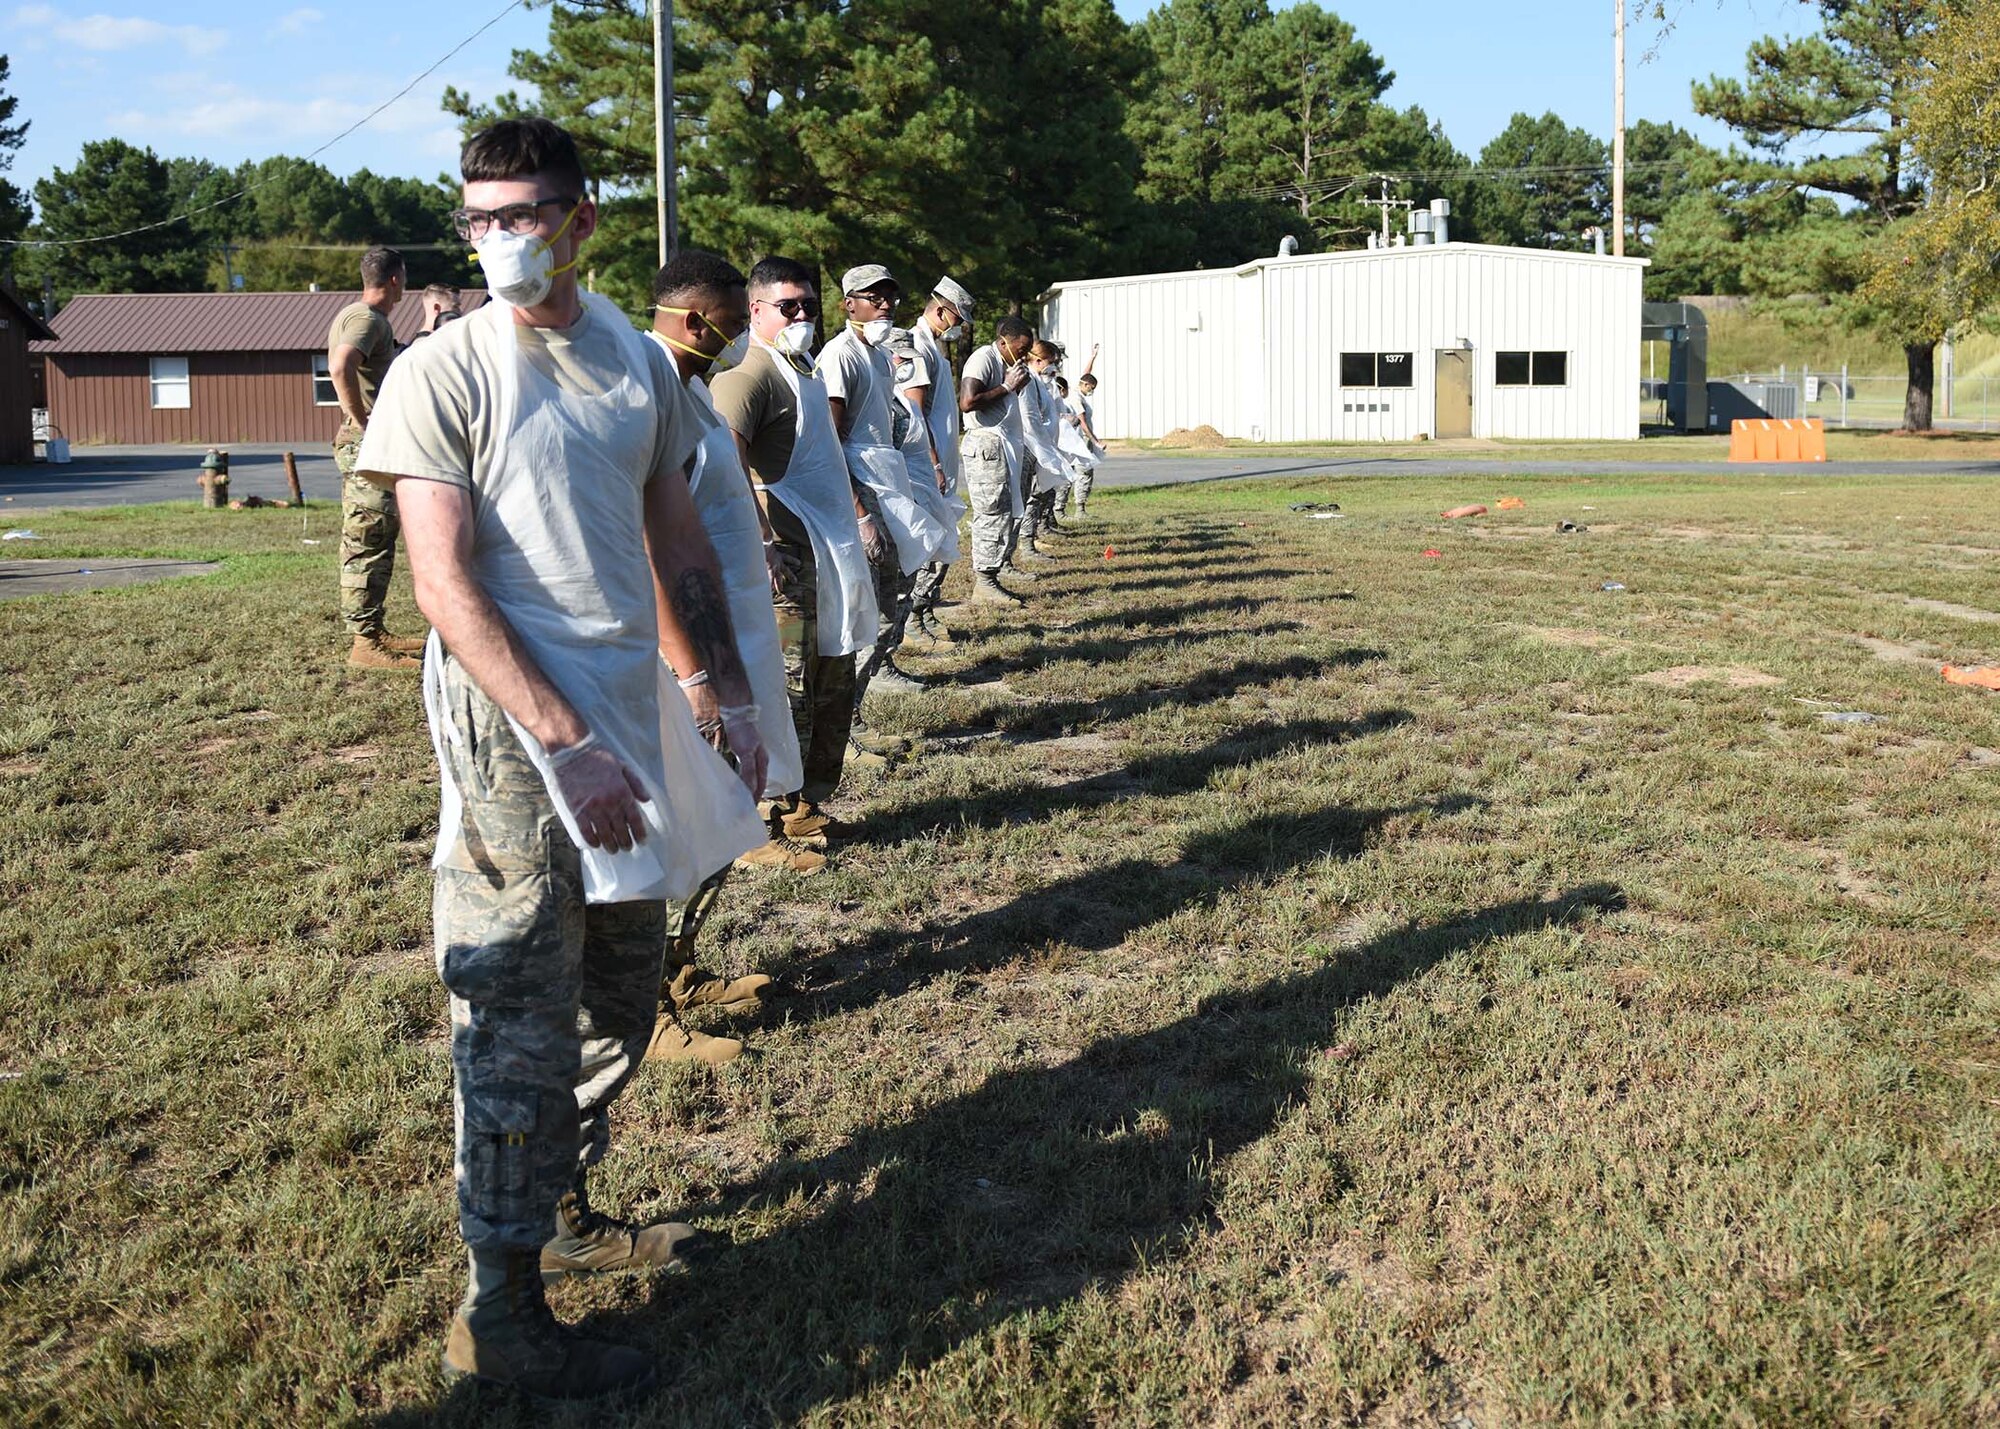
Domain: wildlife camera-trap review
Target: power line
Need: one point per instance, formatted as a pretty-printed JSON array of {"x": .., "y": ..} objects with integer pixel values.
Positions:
[
  {"x": 1532, "y": 171},
  {"x": 435, "y": 65}
]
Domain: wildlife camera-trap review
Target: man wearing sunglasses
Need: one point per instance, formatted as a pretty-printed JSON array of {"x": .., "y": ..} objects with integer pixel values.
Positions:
[
  {"x": 539, "y": 451},
  {"x": 776, "y": 404}
]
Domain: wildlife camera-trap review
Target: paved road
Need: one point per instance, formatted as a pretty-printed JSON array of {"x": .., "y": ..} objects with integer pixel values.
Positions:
[
  {"x": 117, "y": 476},
  {"x": 1153, "y": 470}
]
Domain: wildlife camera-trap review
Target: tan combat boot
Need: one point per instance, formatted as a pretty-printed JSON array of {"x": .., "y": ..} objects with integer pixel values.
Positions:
[
  {"x": 504, "y": 1334},
  {"x": 691, "y": 987},
  {"x": 672, "y": 1042},
  {"x": 403, "y": 644},
  {"x": 372, "y": 652},
  {"x": 783, "y": 853},
  {"x": 813, "y": 826},
  {"x": 588, "y": 1242}
]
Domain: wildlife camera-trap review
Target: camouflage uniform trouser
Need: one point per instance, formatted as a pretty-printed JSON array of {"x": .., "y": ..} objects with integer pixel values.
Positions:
[
  {"x": 892, "y": 600},
  {"x": 1080, "y": 481},
  {"x": 821, "y": 686},
  {"x": 368, "y": 530},
  {"x": 983, "y": 456},
  {"x": 552, "y": 1000}
]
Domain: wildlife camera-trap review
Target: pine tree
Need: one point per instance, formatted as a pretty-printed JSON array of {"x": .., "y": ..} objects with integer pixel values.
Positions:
[
  {"x": 14, "y": 212},
  {"x": 1548, "y": 183},
  {"x": 1853, "y": 78},
  {"x": 114, "y": 188}
]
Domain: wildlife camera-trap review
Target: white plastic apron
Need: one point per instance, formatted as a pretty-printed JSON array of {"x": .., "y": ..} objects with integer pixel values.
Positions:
[
  {"x": 1038, "y": 434},
  {"x": 944, "y": 509},
  {"x": 729, "y": 514},
  {"x": 592, "y": 631},
  {"x": 1074, "y": 445},
  {"x": 947, "y": 426},
  {"x": 815, "y": 490},
  {"x": 1009, "y": 428},
  {"x": 877, "y": 463}
]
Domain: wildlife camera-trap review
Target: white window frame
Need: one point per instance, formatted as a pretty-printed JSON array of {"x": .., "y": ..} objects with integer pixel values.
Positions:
[
  {"x": 164, "y": 384},
  {"x": 1531, "y": 354},
  {"x": 1378, "y": 385},
  {"x": 323, "y": 373}
]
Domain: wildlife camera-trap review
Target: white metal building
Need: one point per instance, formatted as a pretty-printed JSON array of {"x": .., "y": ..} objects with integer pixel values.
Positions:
[{"x": 1384, "y": 344}]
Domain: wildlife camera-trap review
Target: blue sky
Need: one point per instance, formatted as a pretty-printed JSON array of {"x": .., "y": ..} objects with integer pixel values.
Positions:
[{"x": 228, "y": 80}]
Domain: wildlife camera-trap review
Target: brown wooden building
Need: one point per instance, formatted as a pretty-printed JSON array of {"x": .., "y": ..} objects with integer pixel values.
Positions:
[
  {"x": 201, "y": 367},
  {"x": 18, "y": 327}
]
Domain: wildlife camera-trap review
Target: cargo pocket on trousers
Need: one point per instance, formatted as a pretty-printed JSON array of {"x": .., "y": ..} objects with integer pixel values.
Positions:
[{"x": 499, "y": 1159}]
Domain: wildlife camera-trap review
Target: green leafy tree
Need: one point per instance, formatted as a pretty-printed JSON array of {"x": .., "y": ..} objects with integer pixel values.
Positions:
[
  {"x": 1543, "y": 184},
  {"x": 113, "y": 189},
  {"x": 983, "y": 137},
  {"x": 1828, "y": 113},
  {"x": 1942, "y": 265}
]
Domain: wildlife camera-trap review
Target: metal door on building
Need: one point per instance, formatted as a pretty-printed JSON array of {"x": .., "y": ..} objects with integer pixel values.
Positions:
[{"x": 1453, "y": 394}]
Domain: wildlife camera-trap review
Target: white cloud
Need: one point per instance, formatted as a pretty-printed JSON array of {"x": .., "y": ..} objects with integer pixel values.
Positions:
[
  {"x": 297, "y": 22},
  {"x": 107, "y": 33}
]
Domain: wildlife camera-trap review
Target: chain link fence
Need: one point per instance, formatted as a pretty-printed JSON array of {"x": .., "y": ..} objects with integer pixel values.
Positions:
[{"x": 1853, "y": 400}]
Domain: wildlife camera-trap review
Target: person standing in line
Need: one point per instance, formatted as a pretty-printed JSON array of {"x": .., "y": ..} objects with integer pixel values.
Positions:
[
  {"x": 991, "y": 454},
  {"x": 440, "y": 303},
  {"x": 359, "y": 347},
  {"x": 701, "y": 316},
  {"x": 1086, "y": 388},
  {"x": 1040, "y": 417},
  {"x": 860, "y": 386},
  {"x": 777, "y": 408},
  {"x": 943, "y": 320},
  {"x": 539, "y": 451}
]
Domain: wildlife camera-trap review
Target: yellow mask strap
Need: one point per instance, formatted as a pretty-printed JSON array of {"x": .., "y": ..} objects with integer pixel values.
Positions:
[{"x": 550, "y": 241}]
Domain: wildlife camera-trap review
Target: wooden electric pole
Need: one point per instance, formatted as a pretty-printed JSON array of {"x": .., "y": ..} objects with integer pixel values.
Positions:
[
  {"x": 1618, "y": 134},
  {"x": 664, "y": 169}
]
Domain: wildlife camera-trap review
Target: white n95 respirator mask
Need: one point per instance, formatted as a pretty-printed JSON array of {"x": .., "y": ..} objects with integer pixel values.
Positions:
[
  {"x": 796, "y": 339},
  {"x": 876, "y": 331},
  {"x": 520, "y": 268}
]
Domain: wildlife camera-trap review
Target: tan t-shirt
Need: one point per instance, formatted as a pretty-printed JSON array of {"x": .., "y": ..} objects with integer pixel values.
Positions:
[
  {"x": 360, "y": 326},
  {"x": 434, "y": 419},
  {"x": 760, "y": 407}
]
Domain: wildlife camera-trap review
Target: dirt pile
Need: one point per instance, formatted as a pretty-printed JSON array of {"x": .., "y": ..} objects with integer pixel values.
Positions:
[{"x": 1203, "y": 438}]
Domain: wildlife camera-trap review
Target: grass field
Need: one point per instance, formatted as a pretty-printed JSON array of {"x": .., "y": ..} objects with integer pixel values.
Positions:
[{"x": 1304, "y": 981}]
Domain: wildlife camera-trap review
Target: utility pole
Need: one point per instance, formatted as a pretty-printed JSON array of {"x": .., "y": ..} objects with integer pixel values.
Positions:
[
  {"x": 1385, "y": 203},
  {"x": 664, "y": 168},
  {"x": 1618, "y": 134}
]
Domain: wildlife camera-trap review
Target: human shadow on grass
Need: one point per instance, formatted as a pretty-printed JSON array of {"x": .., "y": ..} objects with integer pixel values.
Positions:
[
  {"x": 1092, "y": 911},
  {"x": 1154, "y": 616},
  {"x": 1054, "y": 716},
  {"x": 1176, "y": 578},
  {"x": 919, "y": 1234},
  {"x": 1051, "y": 648},
  {"x": 1182, "y": 771}
]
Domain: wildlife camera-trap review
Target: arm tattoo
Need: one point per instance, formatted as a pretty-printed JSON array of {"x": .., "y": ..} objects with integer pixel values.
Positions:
[{"x": 703, "y": 612}]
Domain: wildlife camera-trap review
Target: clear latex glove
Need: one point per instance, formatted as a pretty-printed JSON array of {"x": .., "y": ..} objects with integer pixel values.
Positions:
[
  {"x": 782, "y": 567},
  {"x": 1017, "y": 377},
  {"x": 753, "y": 761},
  {"x": 872, "y": 544},
  {"x": 602, "y": 794}
]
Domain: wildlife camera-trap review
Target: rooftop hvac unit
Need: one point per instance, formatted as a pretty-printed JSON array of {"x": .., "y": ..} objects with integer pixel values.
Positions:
[{"x": 1420, "y": 226}]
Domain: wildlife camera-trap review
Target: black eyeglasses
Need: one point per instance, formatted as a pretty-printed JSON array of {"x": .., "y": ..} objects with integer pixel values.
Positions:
[
  {"x": 796, "y": 309},
  {"x": 515, "y": 218}
]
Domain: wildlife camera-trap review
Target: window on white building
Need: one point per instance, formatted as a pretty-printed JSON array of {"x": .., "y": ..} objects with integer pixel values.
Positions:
[
  {"x": 1530, "y": 369},
  {"x": 1377, "y": 369},
  {"x": 323, "y": 393},
  {"x": 169, "y": 380}
]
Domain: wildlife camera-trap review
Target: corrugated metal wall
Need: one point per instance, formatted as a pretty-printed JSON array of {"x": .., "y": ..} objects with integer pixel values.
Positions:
[
  {"x": 232, "y": 397},
  {"x": 1170, "y": 346},
  {"x": 1265, "y": 364}
]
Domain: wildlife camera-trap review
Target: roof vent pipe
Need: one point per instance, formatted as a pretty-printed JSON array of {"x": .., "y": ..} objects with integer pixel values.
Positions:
[
  {"x": 1420, "y": 228},
  {"x": 1287, "y": 246},
  {"x": 1596, "y": 235},
  {"x": 1440, "y": 213}
]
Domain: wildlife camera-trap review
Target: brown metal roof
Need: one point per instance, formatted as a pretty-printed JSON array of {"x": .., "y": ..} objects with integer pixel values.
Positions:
[{"x": 176, "y": 323}]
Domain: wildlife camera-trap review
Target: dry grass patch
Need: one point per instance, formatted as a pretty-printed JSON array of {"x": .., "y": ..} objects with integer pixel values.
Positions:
[{"x": 1299, "y": 982}]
